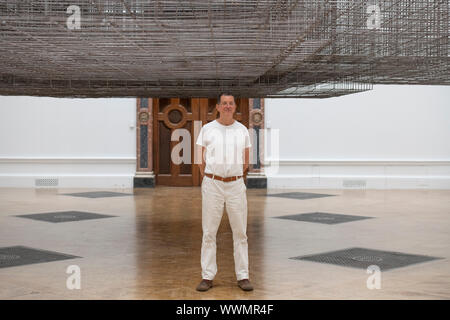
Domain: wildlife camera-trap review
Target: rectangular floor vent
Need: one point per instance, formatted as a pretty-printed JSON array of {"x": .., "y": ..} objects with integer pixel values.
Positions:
[
  {"x": 357, "y": 184},
  {"x": 46, "y": 182}
]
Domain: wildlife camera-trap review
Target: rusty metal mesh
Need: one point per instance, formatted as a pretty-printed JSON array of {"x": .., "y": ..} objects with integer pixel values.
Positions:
[{"x": 254, "y": 48}]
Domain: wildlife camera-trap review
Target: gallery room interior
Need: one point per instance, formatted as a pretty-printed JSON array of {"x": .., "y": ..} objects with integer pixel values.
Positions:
[{"x": 347, "y": 109}]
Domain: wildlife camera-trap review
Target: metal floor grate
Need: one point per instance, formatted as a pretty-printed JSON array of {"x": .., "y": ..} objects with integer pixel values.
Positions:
[
  {"x": 299, "y": 195},
  {"x": 64, "y": 216},
  {"x": 20, "y": 255},
  {"x": 323, "y": 217},
  {"x": 98, "y": 194},
  {"x": 363, "y": 258}
]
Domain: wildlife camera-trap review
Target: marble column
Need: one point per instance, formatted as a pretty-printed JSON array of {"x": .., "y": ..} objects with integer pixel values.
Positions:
[
  {"x": 256, "y": 177},
  {"x": 144, "y": 177}
]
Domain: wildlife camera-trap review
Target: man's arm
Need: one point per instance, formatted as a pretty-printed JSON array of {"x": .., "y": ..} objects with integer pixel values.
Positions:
[
  {"x": 202, "y": 164},
  {"x": 246, "y": 160}
]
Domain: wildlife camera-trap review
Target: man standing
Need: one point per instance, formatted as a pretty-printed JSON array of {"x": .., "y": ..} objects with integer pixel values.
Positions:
[{"x": 225, "y": 158}]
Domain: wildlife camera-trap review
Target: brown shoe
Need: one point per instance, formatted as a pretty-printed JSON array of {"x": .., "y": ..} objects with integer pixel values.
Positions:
[
  {"x": 245, "y": 285},
  {"x": 204, "y": 285}
]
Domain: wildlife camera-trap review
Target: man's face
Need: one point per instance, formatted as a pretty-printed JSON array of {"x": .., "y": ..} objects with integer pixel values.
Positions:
[{"x": 226, "y": 106}]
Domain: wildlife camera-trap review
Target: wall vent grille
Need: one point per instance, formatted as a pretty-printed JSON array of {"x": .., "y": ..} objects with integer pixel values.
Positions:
[{"x": 46, "y": 182}]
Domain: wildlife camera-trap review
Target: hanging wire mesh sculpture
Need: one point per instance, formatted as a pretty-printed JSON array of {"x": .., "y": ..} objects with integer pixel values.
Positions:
[{"x": 279, "y": 48}]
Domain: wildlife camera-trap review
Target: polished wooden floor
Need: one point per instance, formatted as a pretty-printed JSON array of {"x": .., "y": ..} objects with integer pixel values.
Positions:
[{"x": 151, "y": 250}]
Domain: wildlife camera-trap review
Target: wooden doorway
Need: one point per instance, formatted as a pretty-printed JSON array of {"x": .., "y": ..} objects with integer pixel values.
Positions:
[{"x": 174, "y": 113}]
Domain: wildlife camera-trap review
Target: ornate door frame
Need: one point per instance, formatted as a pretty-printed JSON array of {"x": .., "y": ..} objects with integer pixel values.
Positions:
[{"x": 203, "y": 109}]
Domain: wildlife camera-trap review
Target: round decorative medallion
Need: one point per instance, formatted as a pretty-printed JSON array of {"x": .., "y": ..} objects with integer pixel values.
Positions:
[
  {"x": 175, "y": 116},
  {"x": 257, "y": 117},
  {"x": 143, "y": 116}
]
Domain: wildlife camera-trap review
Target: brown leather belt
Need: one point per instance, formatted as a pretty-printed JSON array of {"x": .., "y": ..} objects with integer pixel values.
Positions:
[{"x": 227, "y": 179}]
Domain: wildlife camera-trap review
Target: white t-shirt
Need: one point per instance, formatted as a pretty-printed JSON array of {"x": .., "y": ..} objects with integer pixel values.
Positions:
[{"x": 224, "y": 147}]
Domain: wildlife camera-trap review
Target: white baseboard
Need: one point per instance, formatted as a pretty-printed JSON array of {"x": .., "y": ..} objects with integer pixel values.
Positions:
[
  {"x": 62, "y": 181},
  {"x": 27, "y": 172},
  {"x": 308, "y": 174},
  {"x": 391, "y": 174}
]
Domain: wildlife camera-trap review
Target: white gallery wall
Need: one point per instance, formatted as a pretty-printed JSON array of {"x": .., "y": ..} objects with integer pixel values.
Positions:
[
  {"x": 390, "y": 137},
  {"x": 67, "y": 142}
]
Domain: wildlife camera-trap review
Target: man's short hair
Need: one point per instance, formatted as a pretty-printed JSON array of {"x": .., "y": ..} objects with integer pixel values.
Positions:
[{"x": 224, "y": 94}]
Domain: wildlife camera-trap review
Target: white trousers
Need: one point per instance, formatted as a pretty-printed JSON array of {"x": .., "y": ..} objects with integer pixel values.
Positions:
[{"x": 215, "y": 194}]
